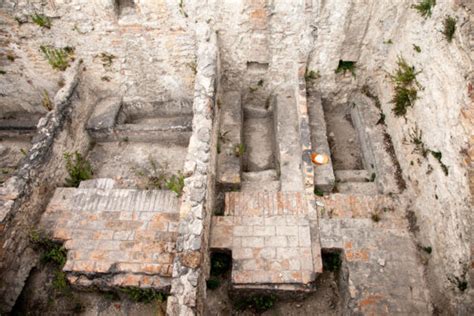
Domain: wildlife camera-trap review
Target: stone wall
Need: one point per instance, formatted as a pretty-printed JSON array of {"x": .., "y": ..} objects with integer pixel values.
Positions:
[
  {"x": 375, "y": 34},
  {"x": 25, "y": 194},
  {"x": 145, "y": 52},
  {"x": 191, "y": 264}
]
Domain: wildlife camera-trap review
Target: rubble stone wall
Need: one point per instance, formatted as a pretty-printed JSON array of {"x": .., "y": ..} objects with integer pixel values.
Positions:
[
  {"x": 25, "y": 194},
  {"x": 189, "y": 269}
]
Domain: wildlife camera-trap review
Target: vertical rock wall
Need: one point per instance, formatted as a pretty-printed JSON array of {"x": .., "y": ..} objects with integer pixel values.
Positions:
[{"x": 375, "y": 34}]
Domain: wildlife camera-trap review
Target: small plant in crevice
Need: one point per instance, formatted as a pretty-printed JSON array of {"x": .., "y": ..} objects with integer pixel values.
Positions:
[
  {"x": 78, "y": 168},
  {"x": 449, "y": 28},
  {"x": 11, "y": 57},
  {"x": 60, "y": 282},
  {"x": 311, "y": 75},
  {"x": 156, "y": 176},
  {"x": 459, "y": 282},
  {"x": 438, "y": 155},
  {"x": 193, "y": 66},
  {"x": 417, "y": 48},
  {"x": 41, "y": 20},
  {"x": 257, "y": 303},
  {"x": 51, "y": 252},
  {"x": 239, "y": 150},
  {"x": 416, "y": 138},
  {"x": 106, "y": 59},
  {"x": 331, "y": 261},
  {"x": 106, "y": 78},
  {"x": 406, "y": 87},
  {"x": 381, "y": 120},
  {"x": 3, "y": 72},
  {"x": 46, "y": 101},
  {"x": 425, "y": 7},
  {"x": 181, "y": 8},
  {"x": 143, "y": 295},
  {"x": 346, "y": 65},
  {"x": 58, "y": 58},
  {"x": 175, "y": 183},
  {"x": 389, "y": 41}
]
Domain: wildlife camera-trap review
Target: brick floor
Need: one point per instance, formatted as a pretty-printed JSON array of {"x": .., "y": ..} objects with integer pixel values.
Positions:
[
  {"x": 115, "y": 237},
  {"x": 270, "y": 236}
]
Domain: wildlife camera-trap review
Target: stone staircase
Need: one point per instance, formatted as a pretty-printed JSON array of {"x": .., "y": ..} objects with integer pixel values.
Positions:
[
  {"x": 115, "y": 237},
  {"x": 266, "y": 180}
]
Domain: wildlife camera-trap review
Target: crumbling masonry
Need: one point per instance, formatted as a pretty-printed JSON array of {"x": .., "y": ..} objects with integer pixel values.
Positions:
[{"x": 200, "y": 121}]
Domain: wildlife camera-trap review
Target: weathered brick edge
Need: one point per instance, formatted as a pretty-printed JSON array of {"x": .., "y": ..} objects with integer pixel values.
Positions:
[
  {"x": 17, "y": 189},
  {"x": 188, "y": 284}
]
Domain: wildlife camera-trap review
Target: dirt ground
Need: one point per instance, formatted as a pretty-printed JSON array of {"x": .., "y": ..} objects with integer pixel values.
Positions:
[
  {"x": 129, "y": 161},
  {"x": 325, "y": 301},
  {"x": 343, "y": 141},
  {"x": 41, "y": 296}
]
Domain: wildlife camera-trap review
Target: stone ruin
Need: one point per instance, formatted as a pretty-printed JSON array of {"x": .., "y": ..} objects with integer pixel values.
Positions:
[{"x": 199, "y": 121}]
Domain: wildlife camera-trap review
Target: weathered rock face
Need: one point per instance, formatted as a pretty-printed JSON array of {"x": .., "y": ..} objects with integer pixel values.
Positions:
[{"x": 375, "y": 34}]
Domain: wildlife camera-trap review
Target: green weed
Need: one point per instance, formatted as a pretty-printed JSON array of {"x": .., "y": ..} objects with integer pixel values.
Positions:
[
  {"x": 51, "y": 252},
  {"x": 78, "y": 168},
  {"x": 406, "y": 87},
  {"x": 449, "y": 27},
  {"x": 425, "y": 7},
  {"x": 175, "y": 183},
  {"x": 143, "y": 295},
  {"x": 239, "y": 150},
  {"x": 438, "y": 155},
  {"x": 106, "y": 59},
  {"x": 41, "y": 20},
  {"x": 311, "y": 75},
  {"x": 58, "y": 58},
  {"x": 417, "y": 48}
]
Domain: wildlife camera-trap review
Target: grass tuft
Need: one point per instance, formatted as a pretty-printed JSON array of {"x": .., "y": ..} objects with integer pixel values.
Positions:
[
  {"x": 41, "y": 20},
  {"x": 58, "y": 58},
  {"x": 406, "y": 87},
  {"x": 78, "y": 168},
  {"x": 175, "y": 183},
  {"x": 417, "y": 48},
  {"x": 425, "y": 7},
  {"x": 52, "y": 252},
  {"x": 449, "y": 27}
]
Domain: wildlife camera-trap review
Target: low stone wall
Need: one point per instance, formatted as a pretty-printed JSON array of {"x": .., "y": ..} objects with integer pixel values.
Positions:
[
  {"x": 189, "y": 269},
  {"x": 19, "y": 207}
]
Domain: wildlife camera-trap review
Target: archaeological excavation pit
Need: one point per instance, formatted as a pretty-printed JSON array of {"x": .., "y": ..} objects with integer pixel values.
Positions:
[{"x": 160, "y": 158}]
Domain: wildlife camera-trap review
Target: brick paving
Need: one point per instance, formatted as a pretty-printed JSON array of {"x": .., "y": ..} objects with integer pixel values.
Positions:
[
  {"x": 270, "y": 236},
  {"x": 115, "y": 237}
]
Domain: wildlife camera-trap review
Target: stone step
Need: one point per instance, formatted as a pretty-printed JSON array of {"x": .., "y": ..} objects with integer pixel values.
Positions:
[
  {"x": 100, "y": 183},
  {"x": 255, "y": 203},
  {"x": 352, "y": 176},
  {"x": 266, "y": 186},
  {"x": 116, "y": 200},
  {"x": 164, "y": 123},
  {"x": 260, "y": 176},
  {"x": 366, "y": 188}
]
